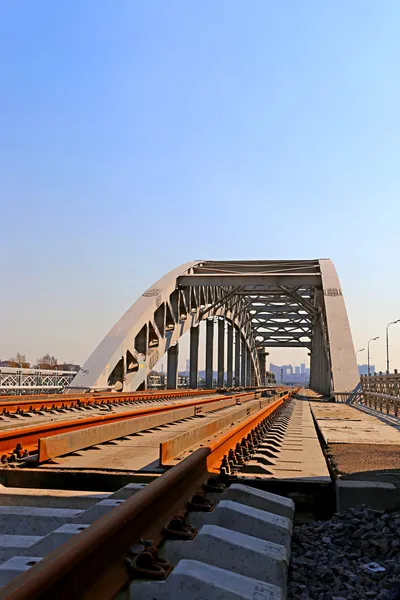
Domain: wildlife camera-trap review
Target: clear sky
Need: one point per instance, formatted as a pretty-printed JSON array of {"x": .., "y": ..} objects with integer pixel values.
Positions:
[{"x": 136, "y": 136}]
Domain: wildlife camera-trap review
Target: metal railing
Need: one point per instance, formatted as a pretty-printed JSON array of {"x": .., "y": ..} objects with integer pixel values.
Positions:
[
  {"x": 379, "y": 392},
  {"x": 18, "y": 381}
]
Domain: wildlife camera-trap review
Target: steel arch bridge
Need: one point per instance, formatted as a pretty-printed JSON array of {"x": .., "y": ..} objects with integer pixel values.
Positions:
[{"x": 265, "y": 304}]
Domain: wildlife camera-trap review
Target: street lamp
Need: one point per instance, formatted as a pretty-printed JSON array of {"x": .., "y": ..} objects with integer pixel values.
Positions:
[
  {"x": 369, "y": 341},
  {"x": 387, "y": 344}
]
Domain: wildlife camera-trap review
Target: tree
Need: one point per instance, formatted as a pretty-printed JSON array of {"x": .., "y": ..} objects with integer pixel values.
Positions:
[
  {"x": 19, "y": 360},
  {"x": 46, "y": 362},
  {"x": 69, "y": 367}
]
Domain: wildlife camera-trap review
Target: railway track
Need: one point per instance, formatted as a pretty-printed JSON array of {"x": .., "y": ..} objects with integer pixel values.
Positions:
[
  {"x": 42, "y": 403},
  {"x": 112, "y": 552},
  {"x": 127, "y": 410},
  {"x": 195, "y": 501}
]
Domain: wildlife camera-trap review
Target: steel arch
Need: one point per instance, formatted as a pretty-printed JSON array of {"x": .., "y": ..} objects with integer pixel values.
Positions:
[{"x": 296, "y": 303}]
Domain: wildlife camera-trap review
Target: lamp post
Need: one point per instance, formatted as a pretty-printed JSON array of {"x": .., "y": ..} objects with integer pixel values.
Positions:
[
  {"x": 369, "y": 341},
  {"x": 357, "y": 351},
  {"x": 387, "y": 344}
]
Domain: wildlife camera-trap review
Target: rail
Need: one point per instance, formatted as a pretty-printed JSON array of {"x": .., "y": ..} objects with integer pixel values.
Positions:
[
  {"x": 14, "y": 404},
  {"x": 93, "y": 564},
  {"x": 19, "y": 443}
]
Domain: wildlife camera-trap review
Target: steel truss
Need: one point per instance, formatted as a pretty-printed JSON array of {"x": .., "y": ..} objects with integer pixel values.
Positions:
[{"x": 269, "y": 304}]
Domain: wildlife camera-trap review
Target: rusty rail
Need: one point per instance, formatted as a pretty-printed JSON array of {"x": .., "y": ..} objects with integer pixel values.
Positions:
[
  {"x": 92, "y": 564},
  {"x": 14, "y": 404},
  {"x": 172, "y": 448},
  {"x": 28, "y": 437}
]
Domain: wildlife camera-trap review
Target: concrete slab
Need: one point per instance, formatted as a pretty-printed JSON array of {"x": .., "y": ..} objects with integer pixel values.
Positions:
[
  {"x": 27, "y": 520},
  {"x": 298, "y": 454},
  {"x": 197, "y": 581},
  {"x": 97, "y": 511},
  {"x": 48, "y": 498},
  {"x": 247, "y": 520},
  {"x": 14, "y": 566},
  {"x": 53, "y": 540},
  {"x": 341, "y": 423},
  {"x": 13, "y": 545},
  {"x": 127, "y": 491},
  {"x": 374, "y": 494},
  {"x": 235, "y": 552}
]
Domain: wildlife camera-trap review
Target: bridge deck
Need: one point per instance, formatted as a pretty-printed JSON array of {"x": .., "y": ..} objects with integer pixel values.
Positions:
[
  {"x": 293, "y": 450},
  {"x": 344, "y": 424},
  {"x": 364, "y": 443}
]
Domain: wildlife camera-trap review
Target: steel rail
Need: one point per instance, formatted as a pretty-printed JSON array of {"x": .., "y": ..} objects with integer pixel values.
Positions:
[
  {"x": 28, "y": 437},
  {"x": 12, "y": 404},
  {"x": 91, "y": 565}
]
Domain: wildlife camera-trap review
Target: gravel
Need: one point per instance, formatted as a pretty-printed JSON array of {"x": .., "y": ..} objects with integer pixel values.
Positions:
[
  {"x": 329, "y": 558},
  {"x": 356, "y": 458}
]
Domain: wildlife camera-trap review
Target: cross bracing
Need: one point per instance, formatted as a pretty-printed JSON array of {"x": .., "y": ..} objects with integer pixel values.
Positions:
[{"x": 268, "y": 304}]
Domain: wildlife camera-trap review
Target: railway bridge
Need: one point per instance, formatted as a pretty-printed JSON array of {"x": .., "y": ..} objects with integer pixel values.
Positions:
[
  {"x": 261, "y": 304},
  {"x": 245, "y": 491}
]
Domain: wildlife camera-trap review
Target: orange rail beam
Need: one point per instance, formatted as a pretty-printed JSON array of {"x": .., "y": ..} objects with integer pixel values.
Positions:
[
  {"x": 28, "y": 437},
  {"x": 17, "y": 404}
]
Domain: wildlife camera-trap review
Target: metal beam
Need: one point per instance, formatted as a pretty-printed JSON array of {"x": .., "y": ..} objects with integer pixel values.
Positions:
[
  {"x": 237, "y": 357},
  {"x": 194, "y": 357},
  {"x": 209, "y": 353},
  {"x": 243, "y": 364},
  {"x": 221, "y": 352},
  {"x": 264, "y": 281},
  {"x": 172, "y": 367},
  {"x": 229, "y": 357}
]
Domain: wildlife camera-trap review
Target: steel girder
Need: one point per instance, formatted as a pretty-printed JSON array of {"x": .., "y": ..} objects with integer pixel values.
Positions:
[{"x": 296, "y": 304}]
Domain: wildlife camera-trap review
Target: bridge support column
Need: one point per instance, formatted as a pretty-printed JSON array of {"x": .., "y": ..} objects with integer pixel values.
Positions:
[
  {"x": 252, "y": 374},
  {"x": 248, "y": 368},
  {"x": 194, "y": 357},
  {"x": 243, "y": 364},
  {"x": 209, "y": 352},
  {"x": 320, "y": 371},
  {"x": 237, "y": 357},
  {"x": 229, "y": 357},
  {"x": 221, "y": 352},
  {"x": 262, "y": 358},
  {"x": 172, "y": 367}
]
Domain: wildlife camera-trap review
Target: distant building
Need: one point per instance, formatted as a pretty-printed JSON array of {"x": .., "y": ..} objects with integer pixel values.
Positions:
[
  {"x": 286, "y": 374},
  {"x": 302, "y": 368},
  {"x": 363, "y": 369}
]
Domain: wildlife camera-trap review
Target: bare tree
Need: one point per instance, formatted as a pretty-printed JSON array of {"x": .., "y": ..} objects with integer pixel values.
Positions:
[
  {"x": 19, "y": 360},
  {"x": 46, "y": 362}
]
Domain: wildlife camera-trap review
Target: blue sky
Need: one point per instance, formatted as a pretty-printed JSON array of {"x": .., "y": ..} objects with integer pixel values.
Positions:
[{"x": 136, "y": 136}]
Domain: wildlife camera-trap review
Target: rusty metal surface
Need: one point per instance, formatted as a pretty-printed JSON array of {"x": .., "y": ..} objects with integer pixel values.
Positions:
[
  {"x": 172, "y": 448},
  {"x": 91, "y": 565},
  {"x": 64, "y": 443},
  {"x": 14, "y": 404},
  {"x": 29, "y": 437},
  {"x": 223, "y": 444}
]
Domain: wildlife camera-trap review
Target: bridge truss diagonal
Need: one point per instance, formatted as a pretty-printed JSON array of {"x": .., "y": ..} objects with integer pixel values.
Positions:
[{"x": 265, "y": 304}]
